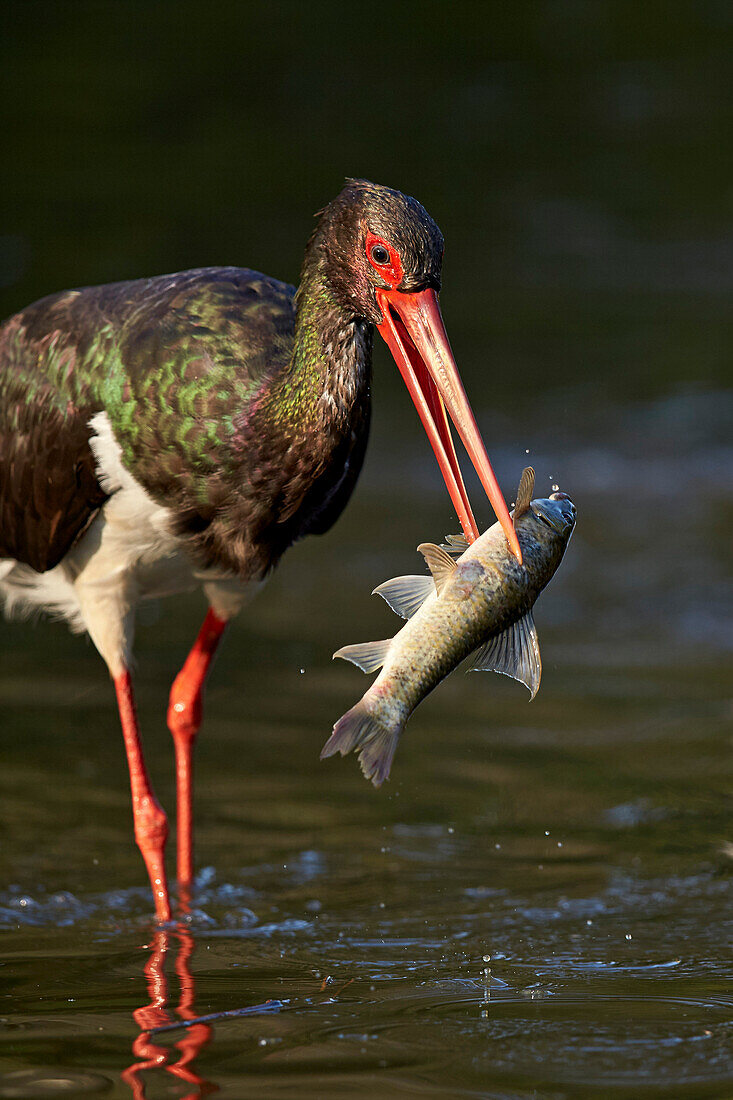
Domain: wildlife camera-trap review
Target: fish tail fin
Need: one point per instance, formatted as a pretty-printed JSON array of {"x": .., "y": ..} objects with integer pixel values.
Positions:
[{"x": 375, "y": 742}]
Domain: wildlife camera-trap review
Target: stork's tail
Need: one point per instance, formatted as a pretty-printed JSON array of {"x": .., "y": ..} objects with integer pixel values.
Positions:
[{"x": 375, "y": 742}]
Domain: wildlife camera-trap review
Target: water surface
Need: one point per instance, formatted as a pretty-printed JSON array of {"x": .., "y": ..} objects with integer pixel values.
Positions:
[{"x": 537, "y": 904}]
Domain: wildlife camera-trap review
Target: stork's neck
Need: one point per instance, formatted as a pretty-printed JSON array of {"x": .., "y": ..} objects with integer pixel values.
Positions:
[{"x": 330, "y": 366}]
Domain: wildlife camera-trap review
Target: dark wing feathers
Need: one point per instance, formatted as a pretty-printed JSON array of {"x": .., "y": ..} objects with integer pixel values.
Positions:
[
  {"x": 172, "y": 360},
  {"x": 48, "y": 489}
]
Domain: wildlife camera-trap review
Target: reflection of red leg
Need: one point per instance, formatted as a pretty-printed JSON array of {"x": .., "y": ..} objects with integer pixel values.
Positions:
[
  {"x": 147, "y": 1053},
  {"x": 198, "y": 1035},
  {"x": 184, "y": 719},
  {"x": 151, "y": 826}
]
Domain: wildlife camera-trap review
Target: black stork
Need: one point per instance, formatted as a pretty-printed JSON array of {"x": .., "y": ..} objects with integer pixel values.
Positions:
[{"x": 165, "y": 433}]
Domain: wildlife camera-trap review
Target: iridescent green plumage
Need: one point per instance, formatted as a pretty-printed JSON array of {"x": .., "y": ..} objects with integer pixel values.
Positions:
[
  {"x": 240, "y": 406},
  {"x": 224, "y": 415}
]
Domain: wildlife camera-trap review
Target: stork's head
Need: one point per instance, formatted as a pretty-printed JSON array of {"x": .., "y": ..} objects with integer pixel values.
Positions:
[{"x": 382, "y": 254}]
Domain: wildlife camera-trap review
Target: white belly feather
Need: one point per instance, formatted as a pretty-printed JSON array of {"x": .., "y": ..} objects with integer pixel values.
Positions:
[{"x": 127, "y": 554}]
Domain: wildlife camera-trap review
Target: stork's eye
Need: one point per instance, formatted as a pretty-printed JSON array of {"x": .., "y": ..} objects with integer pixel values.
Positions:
[{"x": 384, "y": 259}]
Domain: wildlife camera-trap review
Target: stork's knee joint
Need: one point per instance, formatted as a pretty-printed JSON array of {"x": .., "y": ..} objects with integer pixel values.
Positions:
[
  {"x": 151, "y": 826},
  {"x": 184, "y": 715}
]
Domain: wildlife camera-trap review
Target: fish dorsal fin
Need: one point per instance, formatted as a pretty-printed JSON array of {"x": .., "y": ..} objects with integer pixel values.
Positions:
[
  {"x": 515, "y": 653},
  {"x": 368, "y": 656},
  {"x": 455, "y": 544},
  {"x": 524, "y": 493},
  {"x": 439, "y": 562},
  {"x": 406, "y": 595}
]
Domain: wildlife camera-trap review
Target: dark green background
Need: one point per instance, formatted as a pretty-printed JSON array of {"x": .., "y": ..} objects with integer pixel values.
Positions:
[{"x": 575, "y": 154}]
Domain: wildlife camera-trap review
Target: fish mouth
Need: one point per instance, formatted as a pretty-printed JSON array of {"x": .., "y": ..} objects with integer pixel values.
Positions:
[
  {"x": 412, "y": 327},
  {"x": 560, "y": 518}
]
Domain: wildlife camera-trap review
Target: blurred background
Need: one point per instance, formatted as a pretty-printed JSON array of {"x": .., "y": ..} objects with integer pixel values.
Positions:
[{"x": 576, "y": 156}]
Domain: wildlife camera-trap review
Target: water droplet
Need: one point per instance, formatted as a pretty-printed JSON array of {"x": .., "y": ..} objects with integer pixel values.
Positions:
[
  {"x": 628, "y": 935},
  {"x": 547, "y": 832},
  {"x": 487, "y": 958},
  {"x": 526, "y": 450},
  {"x": 555, "y": 488},
  {"x": 497, "y": 846},
  {"x": 451, "y": 829}
]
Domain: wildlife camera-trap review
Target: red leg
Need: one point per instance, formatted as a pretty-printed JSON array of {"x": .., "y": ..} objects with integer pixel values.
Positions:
[
  {"x": 184, "y": 719},
  {"x": 151, "y": 826}
]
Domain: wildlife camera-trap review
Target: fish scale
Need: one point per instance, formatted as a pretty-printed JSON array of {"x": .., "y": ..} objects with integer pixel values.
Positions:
[{"x": 479, "y": 604}]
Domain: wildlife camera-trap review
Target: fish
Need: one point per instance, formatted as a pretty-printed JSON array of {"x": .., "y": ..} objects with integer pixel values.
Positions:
[{"x": 476, "y": 603}]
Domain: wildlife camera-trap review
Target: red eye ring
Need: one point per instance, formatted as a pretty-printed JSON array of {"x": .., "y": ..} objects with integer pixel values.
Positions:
[{"x": 384, "y": 259}]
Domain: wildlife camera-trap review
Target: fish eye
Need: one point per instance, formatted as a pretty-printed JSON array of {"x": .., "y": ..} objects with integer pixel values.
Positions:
[
  {"x": 380, "y": 255},
  {"x": 539, "y": 514}
]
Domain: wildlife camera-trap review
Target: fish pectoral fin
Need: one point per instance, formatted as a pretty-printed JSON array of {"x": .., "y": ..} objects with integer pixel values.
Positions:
[
  {"x": 515, "y": 652},
  {"x": 406, "y": 595},
  {"x": 524, "y": 494},
  {"x": 368, "y": 656},
  {"x": 455, "y": 544},
  {"x": 440, "y": 564}
]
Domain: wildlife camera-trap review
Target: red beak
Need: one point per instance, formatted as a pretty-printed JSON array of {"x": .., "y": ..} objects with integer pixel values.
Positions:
[{"x": 412, "y": 327}]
